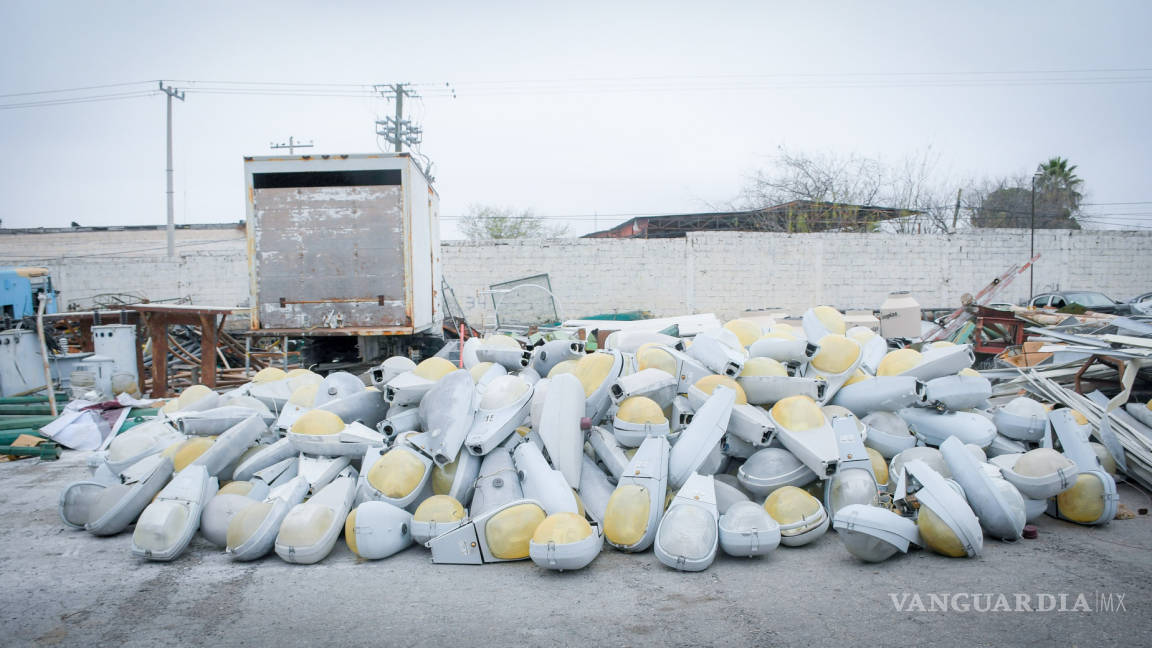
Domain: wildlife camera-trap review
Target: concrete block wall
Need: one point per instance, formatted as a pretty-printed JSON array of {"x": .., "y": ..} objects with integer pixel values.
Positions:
[
  {"x": 57, "y": 242},
  {"x": 205, "y": 278},
  {"x": 721, "y": 272},
  {"x": 588, "y": 276},
  {"x": 729, "y": 272}
]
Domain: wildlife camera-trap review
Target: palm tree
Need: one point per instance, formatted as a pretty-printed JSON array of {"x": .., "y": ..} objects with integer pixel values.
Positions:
[{"x": 1058, "y": 183}]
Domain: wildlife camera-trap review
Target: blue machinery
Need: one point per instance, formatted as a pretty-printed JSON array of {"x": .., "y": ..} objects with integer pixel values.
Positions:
[{"x": 19, "y": 288}]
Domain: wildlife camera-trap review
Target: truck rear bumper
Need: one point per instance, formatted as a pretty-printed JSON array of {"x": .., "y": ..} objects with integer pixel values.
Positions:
[{"x": 345, "y": 331}]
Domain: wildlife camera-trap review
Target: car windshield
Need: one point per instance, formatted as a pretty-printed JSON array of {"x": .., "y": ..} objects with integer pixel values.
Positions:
[{"x": 1088, "y": 299}]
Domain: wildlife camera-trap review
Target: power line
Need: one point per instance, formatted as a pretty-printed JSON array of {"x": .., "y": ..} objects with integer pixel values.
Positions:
[
  {"x": 742, "y": 75},
  {"x": 79, "y": 100},
  {"x": 669, "y": 83},
  {"x": 844, "y": 74},
  {"x": 625, "y": 87},
  {"x": 265, "y": 93},
  {"x": 722, "y": 77},
  {"x": 78, "y": 89},
  {"x": 365, "y": 84}
]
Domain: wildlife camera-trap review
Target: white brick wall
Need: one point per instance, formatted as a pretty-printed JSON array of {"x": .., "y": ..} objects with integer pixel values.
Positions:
[
  {"x": 728, "y": 272},
  {"x": 588, "y": 276},
  {"x": 140, "y": 242},
  {"x": 722, "y": 272},
  {"x": 206, "y": 278}
]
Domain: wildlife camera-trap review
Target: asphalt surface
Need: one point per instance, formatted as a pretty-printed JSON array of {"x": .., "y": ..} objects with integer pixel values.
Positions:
[{"x": 60, "y": 586}]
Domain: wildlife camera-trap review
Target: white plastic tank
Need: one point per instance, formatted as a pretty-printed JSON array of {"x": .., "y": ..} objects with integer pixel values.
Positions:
[
  {"x": 80, "y": 383},
  {"x": 125, "y": 383},
  {"x": 102, "y": 367},
  {"x": 900, "y": 316},
  {"x": 117, "y": 341},
  {"x": 63, "y": 365}
]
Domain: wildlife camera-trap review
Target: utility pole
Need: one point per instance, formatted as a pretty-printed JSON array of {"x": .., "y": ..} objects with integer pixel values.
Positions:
[
  {"x": 956, "y": 212},
  {"x": 171, "y": 92},
  {"x": 292, "y": 145},
  {"x": 397, "y": 130},
  {"x": 1032, "y": 242},
  {"x": 399, "y": 118}
]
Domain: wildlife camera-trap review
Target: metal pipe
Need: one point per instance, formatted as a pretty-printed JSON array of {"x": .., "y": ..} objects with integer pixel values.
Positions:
[
  {"x": 8, "y": 437},
  {"x": 29, "y": 409},
  {"x": 46, "y": 451},
  {"x": 44, "y": 349},
  {"x": 21, "y": 422},
  {"x": 38, "y": 400}
]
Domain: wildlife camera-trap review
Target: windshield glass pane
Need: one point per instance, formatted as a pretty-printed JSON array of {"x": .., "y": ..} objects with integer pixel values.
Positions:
[{"x": 1088, "y": 299}]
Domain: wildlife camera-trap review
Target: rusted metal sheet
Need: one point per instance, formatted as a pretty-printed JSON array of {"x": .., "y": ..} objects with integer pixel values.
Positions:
[
  {"x": 330, "y": 257},
  {"x": 996, "y": 331}
]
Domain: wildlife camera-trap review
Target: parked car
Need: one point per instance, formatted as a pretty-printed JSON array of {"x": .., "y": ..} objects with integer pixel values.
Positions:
[
  {"x": 1142, "y": 304},
  {"x": 1093, "y": 301}
]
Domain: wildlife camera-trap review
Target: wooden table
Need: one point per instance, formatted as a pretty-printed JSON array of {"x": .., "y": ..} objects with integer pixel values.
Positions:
[{"x": 159, "y": 317}]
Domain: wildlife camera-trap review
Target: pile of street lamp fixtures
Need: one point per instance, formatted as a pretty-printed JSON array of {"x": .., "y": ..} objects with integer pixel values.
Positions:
[{"x": 747, "y": 437}]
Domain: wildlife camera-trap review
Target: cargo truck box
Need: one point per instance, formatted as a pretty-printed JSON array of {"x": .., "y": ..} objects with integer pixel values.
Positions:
[{"x": 342, "y": 245}]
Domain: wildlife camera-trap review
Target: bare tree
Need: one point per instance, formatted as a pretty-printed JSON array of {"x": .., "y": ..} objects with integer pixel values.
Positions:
[
  {"x": 842, "y": 182},
  {"x": 484, "y": 223},
  {"x": 910, "y": 187},
  {"x": 822, "y": 178}
]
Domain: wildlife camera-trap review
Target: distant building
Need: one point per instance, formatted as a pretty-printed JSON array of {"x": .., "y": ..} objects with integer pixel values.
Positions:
[{"x": 795, "y": 216}]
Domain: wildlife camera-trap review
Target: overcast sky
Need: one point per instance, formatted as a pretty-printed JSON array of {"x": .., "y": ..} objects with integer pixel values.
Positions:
[{"x": 593, "y": 110}]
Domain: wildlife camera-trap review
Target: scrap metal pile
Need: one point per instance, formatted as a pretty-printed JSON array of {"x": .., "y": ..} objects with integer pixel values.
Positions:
[
  {"x": 1066, "y": 353},
  {"x": 185, "y": 353},
  {"x": 743, "y": 438}
]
